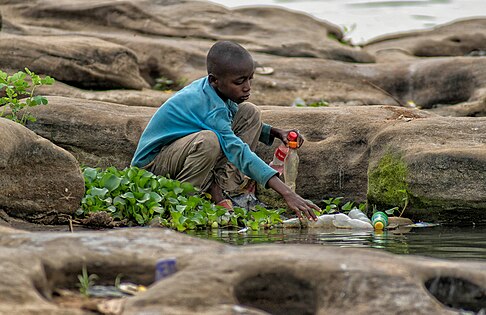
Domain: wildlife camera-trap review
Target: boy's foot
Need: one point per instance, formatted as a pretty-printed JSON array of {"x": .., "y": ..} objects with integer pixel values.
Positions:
[
  {"x": 226, "y": 203},
  {"x": 245, "y": 197}
]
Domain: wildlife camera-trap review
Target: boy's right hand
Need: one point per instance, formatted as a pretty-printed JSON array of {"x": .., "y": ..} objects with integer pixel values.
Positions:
[{"x": 299, "y": 205}]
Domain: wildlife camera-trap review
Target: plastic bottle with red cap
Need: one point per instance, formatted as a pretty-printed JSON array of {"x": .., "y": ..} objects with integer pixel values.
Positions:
[
  {"x": 291, "y": 161},
  {"x": 279, "y": 157},
  {"x": 285, "y": 165}
]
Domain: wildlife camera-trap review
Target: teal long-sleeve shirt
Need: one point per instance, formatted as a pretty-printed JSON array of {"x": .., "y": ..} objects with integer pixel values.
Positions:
[{"x": 195, "y": 108}]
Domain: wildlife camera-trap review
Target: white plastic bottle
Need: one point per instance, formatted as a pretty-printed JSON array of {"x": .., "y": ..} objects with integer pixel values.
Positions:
[
  {"x": 291, "y": 162},
  {"x": 358, "y": 214}
]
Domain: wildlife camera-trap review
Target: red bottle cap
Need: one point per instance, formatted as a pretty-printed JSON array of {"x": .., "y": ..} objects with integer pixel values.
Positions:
[{"x": 292, "y": 136}]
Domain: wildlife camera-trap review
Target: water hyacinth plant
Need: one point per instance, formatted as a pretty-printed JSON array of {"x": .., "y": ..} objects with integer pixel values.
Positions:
[{"x": 141, "y": 197}]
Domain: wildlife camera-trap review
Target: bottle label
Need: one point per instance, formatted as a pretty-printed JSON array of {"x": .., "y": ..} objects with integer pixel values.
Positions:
[{"x": 280, "y": 154}]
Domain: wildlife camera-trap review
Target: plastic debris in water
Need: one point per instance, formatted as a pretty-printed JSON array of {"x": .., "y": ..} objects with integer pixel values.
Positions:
[
  {"x": 165, "y": 267},
  {"x": 339, "y": 220},
  {"x": 243, "y": 230},
  {"x": 342, "y": 221},
  {"x": 422, "y": 225}
]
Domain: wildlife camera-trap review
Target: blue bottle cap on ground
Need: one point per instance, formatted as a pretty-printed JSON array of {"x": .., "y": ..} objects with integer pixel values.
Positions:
[{"x": 164, "y": 268}]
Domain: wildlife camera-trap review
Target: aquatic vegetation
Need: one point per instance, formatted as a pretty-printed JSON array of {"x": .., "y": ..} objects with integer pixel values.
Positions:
[
  {"x": 331, "y": 205},
  {"x": 387, "y": 184},
  {"x": 141, "y": 197},
  {"x": 14, "y": 87},
  {"x": 86, "y": 281}
]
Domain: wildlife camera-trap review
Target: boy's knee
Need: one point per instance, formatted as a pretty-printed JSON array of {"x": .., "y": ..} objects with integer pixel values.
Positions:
[
  {"x": 250, "y": 112},
  {"x": 250, "y": 109},
  {"x": 208, "y": 142}
]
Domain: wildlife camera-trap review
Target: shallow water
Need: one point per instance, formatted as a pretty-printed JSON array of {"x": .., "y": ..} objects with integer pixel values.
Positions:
[
  {"x": 440, "y": 242},
  {"x": 366, "y": 19}
]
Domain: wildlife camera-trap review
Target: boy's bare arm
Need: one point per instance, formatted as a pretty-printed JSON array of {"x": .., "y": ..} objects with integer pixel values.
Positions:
[{"x": 295, "y": 202}]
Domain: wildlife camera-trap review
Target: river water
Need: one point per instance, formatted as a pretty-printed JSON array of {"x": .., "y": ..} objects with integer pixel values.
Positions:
[
  {"x": 439, "y": 242},
  {"x": 363, "y": 20}
]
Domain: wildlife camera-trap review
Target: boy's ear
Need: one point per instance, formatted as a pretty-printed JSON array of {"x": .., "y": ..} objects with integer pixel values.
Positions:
[{"x": 212, "y": 79}]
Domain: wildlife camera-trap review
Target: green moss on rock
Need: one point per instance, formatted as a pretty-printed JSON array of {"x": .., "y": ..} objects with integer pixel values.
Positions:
[{"x": 387, "y": 185}]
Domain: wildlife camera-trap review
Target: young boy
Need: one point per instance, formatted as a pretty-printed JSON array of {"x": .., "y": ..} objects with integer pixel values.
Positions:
[{"x": 206, "y": 133}]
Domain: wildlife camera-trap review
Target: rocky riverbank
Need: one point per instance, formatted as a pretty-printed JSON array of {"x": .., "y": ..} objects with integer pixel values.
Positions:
[{"x": 405, "y": 113}]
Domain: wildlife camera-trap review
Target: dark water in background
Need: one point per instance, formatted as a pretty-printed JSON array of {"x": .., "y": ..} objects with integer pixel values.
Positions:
[
  {"x": 366, "y": 19},
  {"x": 439, "y": 242}
]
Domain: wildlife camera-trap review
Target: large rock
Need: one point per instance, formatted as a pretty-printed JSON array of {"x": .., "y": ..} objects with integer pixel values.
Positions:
[
  {"x": 144, "y": 97},
  {"x": 213, "y": 278},
  {"x": 459, "y": 38},
  {"x": 441, "y": 165},
  {"x": 442, "y": 160},
  {"x": 96, "y": 133},
  {"x": 37, "y": 177},
  {"x": 92, "y": 63}
]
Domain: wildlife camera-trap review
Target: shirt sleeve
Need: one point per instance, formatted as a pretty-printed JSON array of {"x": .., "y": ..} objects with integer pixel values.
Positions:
[
  {"x": 265, "y": 136},
  {"x": 237, "y": 152}
]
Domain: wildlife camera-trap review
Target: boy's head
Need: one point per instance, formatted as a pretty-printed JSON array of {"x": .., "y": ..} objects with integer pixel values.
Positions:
[{"x": 230, "y": 71}]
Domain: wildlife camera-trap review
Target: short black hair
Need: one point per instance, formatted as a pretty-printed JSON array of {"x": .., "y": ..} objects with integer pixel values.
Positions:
[{"x": 224, "y": 56}]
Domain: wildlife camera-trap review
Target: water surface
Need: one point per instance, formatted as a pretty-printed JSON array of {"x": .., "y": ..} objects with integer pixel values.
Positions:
[{"x": 439, "y": 242}]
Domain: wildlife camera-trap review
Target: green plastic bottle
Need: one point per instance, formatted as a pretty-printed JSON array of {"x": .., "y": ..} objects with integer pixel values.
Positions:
[{"x": 379, "y": 220}]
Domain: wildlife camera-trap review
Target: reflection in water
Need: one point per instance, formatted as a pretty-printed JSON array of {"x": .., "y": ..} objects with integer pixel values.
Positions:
[{"x": 440, "y": 242}]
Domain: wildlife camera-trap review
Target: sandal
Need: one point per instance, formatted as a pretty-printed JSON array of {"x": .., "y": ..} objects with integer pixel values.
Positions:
[{"x": 226, "y": 203}]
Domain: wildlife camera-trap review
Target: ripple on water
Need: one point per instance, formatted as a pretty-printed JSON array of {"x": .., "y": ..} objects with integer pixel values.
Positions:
[{"x": 438, "y": 242}]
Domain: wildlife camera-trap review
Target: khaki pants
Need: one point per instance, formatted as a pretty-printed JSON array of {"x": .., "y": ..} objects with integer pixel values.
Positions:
[{"x": 198, "y": 159}]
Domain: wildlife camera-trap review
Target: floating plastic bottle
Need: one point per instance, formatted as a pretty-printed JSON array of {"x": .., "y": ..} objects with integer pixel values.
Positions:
[
  {"x": 342, "y": 221},
  {"x": 358, "y": 214},
  {"x": 291, "y": 162},
  {"x": 323, "y": 221},
  {"x": 379, "y": 220}
]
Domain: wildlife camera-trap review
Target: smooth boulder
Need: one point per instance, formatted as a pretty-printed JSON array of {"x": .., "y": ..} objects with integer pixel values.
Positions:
[
  {"x": 37, "y": 178},
  {"x": 458, "y": 38},
  {"x": 92, "y": 63}
]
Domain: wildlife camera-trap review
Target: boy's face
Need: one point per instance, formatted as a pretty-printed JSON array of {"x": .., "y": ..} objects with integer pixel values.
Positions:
[{"x": 234, "y": 82}]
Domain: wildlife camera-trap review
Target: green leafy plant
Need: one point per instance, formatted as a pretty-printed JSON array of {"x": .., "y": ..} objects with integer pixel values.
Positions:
[
  {"x": 86, "y": 281},
  {"x": 333, "y": 205},
  {"x": 18, "y": 94},
  {"x": 404, "y": 204},
  {"x": 141, "y": 197},
  {"x": 263, "y": 218}
]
